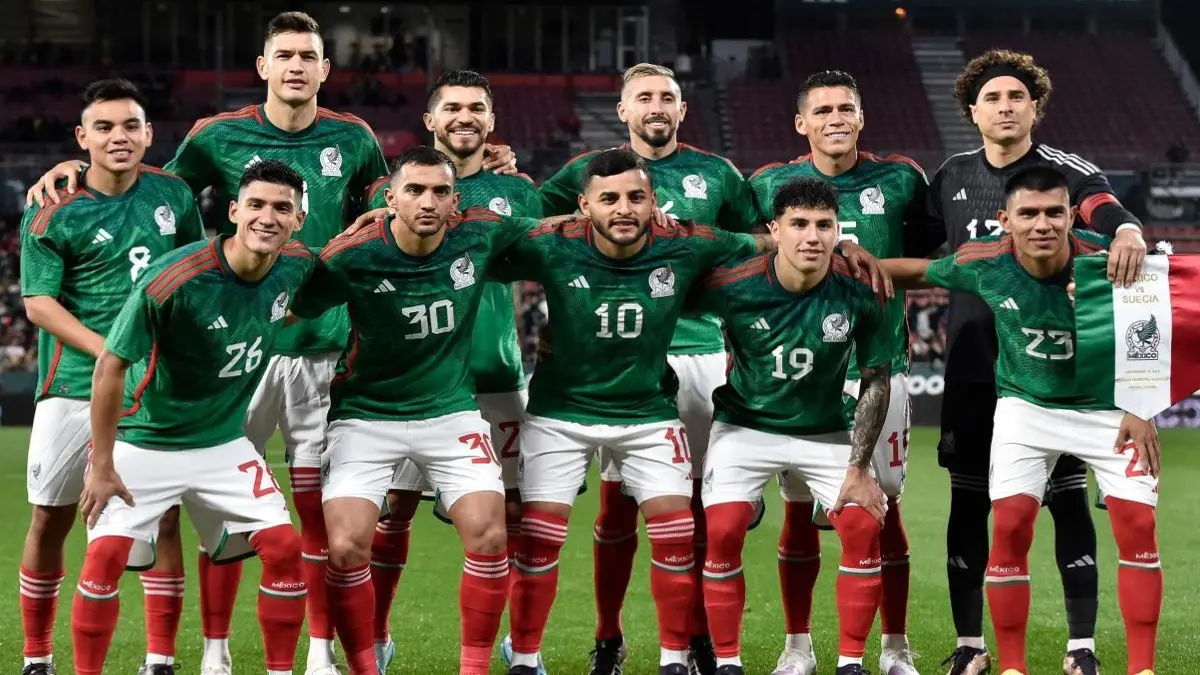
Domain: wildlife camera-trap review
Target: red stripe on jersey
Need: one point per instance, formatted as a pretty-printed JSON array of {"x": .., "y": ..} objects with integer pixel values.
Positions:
[
  {"x": 296, "y": 250},
  {"x": 179, "y": 272},
  {"x": 765, "y": 167},
  {"x": 144, "y": 383},
  {"x": 243, "y": 113},
  {"x": 157, "y": 171},
  {"x": 1084, "y": 247},
  {"x": 526, "y": 177},
  {"x": 475, "y": 213},
  {"x": 581, "y": 155},
  {"x": 42, "y": 220},
  {"x": 344, "y": 117},
  {"x": 892, "y": 159},
  {"x": 681, "y": 230},
  {"x": 984, "y": 250},
  {"x": 755, "y": 266},
  {"x": 58, "y": 349},
  {"x": 339, "y": 244},
  {"x": 1089, "y": 205},
  {"x": 571, "y": 227},
  {"x": 369, "y": 193}
]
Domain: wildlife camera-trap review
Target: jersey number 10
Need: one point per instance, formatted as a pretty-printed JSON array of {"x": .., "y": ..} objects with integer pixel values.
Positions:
[{"x": 628, "y": 320}]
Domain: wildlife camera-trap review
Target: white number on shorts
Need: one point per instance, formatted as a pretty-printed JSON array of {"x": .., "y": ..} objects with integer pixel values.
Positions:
[
  {"x": 848, "y": 227},
  {"x": 799, "y": 360},
  {"x": 257, "y": 467},
  {"x": 432, "y": 319},
  {"x": 483, "y": 444},
  {"x": 139, "y": 260},
  {"x": 990, "y": 227},
  {"x": 1061, "y": 338},
  {"x": 628, "y": 320},
  {"x": 237, "y": 365},
  {"x": 678, "y": 438}
]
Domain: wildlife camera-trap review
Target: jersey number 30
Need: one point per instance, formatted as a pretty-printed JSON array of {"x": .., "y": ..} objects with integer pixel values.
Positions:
[
  {"x": 435, "y": 318},
  {"x": 243, "y": 359}
]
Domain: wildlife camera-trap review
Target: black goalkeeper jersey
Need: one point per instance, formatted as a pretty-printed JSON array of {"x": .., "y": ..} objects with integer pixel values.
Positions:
[{"x": 964, "y": 197}]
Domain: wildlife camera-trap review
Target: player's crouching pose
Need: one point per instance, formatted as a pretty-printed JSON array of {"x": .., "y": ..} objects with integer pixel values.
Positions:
[
  {"x": 1022, "y": 276},
  {"x": 198, "y": 326},
  {"x": 404, "y": 393},
  {"x": 793, "y": 318}
]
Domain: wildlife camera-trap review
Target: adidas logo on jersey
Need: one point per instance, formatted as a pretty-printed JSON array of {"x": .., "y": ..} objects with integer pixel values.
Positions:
[
  {"x": 1010, "y": 304},
  {"x": 253, "y": 160},
  {"x": 960, "y": 196},
  {"x": 219, "y": 323},
  {"x": 385, "y": 286},
  {"x": 102, "y": 237},
  {"x": 761, "y": 324},
  {"x": 580, "y": 282}
]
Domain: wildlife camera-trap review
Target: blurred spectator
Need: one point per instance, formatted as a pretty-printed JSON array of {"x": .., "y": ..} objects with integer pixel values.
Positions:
[
  {"x": 18, "y": 337},
  {"x": 927, "y": 327}
]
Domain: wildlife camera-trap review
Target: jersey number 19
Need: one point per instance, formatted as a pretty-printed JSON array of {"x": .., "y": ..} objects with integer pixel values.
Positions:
[{"x": 798, "y": 363}]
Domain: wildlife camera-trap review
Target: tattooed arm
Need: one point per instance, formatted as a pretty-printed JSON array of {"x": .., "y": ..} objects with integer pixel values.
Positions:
[{"x": 860, "y": 488}]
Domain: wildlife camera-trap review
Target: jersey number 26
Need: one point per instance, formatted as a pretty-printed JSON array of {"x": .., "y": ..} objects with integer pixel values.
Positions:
[{"x": 243, "y": 359}]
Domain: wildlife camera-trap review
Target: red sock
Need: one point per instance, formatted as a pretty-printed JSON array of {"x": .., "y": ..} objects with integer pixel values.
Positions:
[
  {"x": 97, "y": 604},
  {"x": 351, "y": 601},
  {"x": 893, "y": 545},
  {"x": 724, "y": 584},
  {"x": 1007, "y": 577},
  {"x": 672, "y": 557},
  {"x": 512, "y": 524},
  {"x": 39, "y": 604},
  {"x": 1139, "y": 578},
  {"x": 281, "y": 594},
  {"x": 482, "y": 595},
  {"x": 698, "y": 624},
  {"x": 306, "y": 495},
  {"x": 858, "y": 583},
  {"x": 218, "y": 595},
  {"x": 389, "y": 555},
  {"x": 799, "y": 565},
  {"x": 615, "y": 545},
  {"x": 164, "y": 608},
  {"x": 542, "y": 539}
]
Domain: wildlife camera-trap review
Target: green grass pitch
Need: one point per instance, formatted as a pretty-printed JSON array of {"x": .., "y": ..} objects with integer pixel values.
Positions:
[{"x": 425, "y": 618}]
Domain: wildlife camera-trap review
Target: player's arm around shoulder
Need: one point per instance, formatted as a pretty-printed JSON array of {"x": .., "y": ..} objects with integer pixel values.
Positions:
[
  {"x": 958, "y": 271},
  {"x": 739, "y": 212},
  {"x": 327, "y": 283},
  {"x": 560, "y": 192}
]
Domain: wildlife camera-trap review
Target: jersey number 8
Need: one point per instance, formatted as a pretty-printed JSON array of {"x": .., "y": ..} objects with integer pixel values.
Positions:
[
  {"x": 799, "y": 363},
  {"x": 238, "y": 365},
  {"x": 628, "y": 320}
]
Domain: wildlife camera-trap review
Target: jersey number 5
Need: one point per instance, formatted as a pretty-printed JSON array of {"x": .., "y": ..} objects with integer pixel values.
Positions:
[
  {"x": 628, "y": 320},
  {"x": 237, "y": 364}
]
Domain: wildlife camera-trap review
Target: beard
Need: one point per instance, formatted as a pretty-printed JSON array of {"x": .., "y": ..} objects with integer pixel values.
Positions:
[
  {"x": 446, "y": 139},
  {"x": 605, "y": 230},
  {"x": 656, "y": 140}
]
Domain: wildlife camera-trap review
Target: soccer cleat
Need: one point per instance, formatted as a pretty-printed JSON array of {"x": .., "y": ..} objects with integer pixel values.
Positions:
[
  {"x": 852, "y": 669},
  {"x": 522, "y": 670},
  {"x": 1081, "y": 662},
  {"x": 506, "y": 656},
  {"x": 219, "y": 669},
  {"x": 968, "y": 661},
  {"x": 156, "y": 669},
  {"x": 897, "y": 662},
  {"x": 324, "y": 670},
  {"x": 384, "y": 653},
  {"x": 701, "y": 659},
  {"x": 794, "y": 662},
  {"x": 673, "y": 669},
  {"x": 731, "y": 670},
  {"x": 608, "y": 657},
  {"x": 39, "y": 669},
  {"x": 760, "y": 510}
]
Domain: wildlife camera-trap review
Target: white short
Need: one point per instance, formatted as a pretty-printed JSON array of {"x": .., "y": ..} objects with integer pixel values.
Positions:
[
  {"x": 741, "y": 461},
  {"x": 227, "y": 489},
  {"x": 1028, "y": 439},
  {"x": 699, "y": 375},
  {"x": 505, "y": 412},
  {"x": 293, "y": 396},
  {"x": 58, "y": 451},
  {"x": 651, "y": 459},
  {"x": 890, "y": 460},
  {"x": 453, "y": 452}
]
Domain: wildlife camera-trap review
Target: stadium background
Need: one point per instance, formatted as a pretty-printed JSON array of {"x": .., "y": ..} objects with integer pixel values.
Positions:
[{"x": 1126, "y": 97}]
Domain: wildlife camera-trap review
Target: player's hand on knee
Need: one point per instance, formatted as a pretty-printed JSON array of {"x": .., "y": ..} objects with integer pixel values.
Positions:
[
  {"x": 499, "y": 158},
  {"x": 1125, "y": 257},
  {"x": 863, "y": 263},
  {"x": 372, "y": 217},
  {"x": 39, "y": 191},
  {"x": 1143, "y": 435},
  {"x": 99, "y": 487},
  {"x": 862, "y": 489}
]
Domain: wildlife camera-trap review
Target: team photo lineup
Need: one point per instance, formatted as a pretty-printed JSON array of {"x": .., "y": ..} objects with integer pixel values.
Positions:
[{"x": 712, "y": 338}]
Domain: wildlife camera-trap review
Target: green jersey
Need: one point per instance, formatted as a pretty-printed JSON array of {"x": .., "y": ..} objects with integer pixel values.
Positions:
[
  {"x": 690, "y": 184},
  {"x": 338, "y": 157},
  {"x": 612, "y": 319},
  {"x": 1035, "y": 322},
  {"x": 791, "y": 350},
  {"x": 88, "y": 250},
  {"x": 411, "y": 318},
  {"x": 199, "y": 337},
  {"x": 496, "y": 362},
  {"x": 876, "y": 199}
]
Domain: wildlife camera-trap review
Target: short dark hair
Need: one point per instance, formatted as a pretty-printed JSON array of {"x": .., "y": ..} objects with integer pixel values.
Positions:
[
  {"x": 423, "y": 155},
  {"x": 613, "y": 162},
  {"x": 805, "y": 193},
  {"x": 1023, "y": 66},
  {"x": 459, "y": 78},
  {"x": 275, "y": 172},
  {"x": 1035, "y": 179},
  {"x": 115, "y": 89},
  {"x": 826, "y": 78},
  {"x": 291, "y": 22}
]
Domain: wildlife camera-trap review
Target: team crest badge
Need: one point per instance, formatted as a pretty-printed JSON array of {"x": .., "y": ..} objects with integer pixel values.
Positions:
[
  {"x": 279, "y": 307},
  {"x": 331, "y": 162},
  {"x": 662, "y": 282},
  {"x": 836, "y": 328},
  {"x": 462, "y": 272},
  {"x": 1141, "y": 339},
  {"x": 35, "y": 475},
  {"x": 500, "y": 205},
  {"x": 164, "y": 217},
  {"x": 694, "y": 187},
  {"x": 871, "y": 201}
]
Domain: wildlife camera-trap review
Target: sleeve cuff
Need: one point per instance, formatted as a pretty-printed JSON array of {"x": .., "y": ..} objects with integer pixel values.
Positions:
[{"x": 1127, "y": 226}]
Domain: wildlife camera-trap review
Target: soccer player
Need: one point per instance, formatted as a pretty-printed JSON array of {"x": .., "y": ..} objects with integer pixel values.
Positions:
[
  {"x": 1040, "y": 416},
  {"x": 878, "y": 197},
  {"x": 794, "y": 317},
  {"x": 192, "y": 338},
  {"x": 80, "y": 259},
  {"x": 460, "y": 116},
  {"x": 405, "y": 392},
  {"x": 690, "y": 184},
  {"x": 1004, "y": 94}
]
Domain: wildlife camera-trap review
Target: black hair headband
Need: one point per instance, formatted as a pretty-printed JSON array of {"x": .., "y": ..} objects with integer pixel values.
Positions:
[{"x": 1002, "y": 70}]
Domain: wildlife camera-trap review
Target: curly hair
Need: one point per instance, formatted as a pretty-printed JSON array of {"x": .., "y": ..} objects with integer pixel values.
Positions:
[{"x": 970, "y": 80}]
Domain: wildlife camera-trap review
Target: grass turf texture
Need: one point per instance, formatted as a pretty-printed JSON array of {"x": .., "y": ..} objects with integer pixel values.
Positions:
[{"x": 425, "y": 618}]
